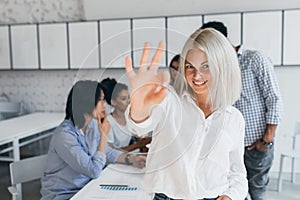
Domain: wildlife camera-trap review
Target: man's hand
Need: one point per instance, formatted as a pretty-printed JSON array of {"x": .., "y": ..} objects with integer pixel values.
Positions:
[{"x": 258, "y": 145}]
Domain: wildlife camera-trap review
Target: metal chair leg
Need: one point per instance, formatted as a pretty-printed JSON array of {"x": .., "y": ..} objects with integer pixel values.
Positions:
[
  {"x": 279, "y": 183},
  {"x": 293, "y": 171}
]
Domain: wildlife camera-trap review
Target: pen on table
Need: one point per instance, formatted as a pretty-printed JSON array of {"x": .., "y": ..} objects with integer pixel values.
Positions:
[{"x": 112, "y": 185}]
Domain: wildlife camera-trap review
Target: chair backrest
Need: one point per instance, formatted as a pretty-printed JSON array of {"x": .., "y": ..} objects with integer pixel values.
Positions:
[
  {"x": 296, "y": 132},
  {"x": 297, "y": 128},
  {"x": 9, "y": 109},
  {"x": 27, "y": 169}
]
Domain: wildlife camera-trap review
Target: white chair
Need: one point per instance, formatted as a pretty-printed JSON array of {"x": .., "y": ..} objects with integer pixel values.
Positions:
[
  {"x": 23, "y": 171},
  {"x": 293, "y": 154},
  {"x": 9, "y": 109}
]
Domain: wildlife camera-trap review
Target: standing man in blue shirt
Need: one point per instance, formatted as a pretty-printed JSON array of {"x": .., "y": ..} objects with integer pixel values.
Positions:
[
  {"x": 260, "y": 104},
  {"x": 78, "y": 150}
]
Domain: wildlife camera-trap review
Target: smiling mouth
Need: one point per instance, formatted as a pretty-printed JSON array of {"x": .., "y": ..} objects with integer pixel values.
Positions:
[{"x": 198, "y": 83}]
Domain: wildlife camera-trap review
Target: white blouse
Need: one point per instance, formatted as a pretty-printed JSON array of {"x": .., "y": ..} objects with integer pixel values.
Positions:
[
  {"x": 119, "y": 135},
  {"x": 191, "y": 157}
]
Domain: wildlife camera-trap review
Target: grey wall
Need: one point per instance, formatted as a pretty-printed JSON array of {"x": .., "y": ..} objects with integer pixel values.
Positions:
[
  {"x": 47, "y": 90},
  {"x": 17, "y": 11}
]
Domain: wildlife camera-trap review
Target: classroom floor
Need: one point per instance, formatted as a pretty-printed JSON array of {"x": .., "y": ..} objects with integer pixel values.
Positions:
[{"x": 31, "y": 189}]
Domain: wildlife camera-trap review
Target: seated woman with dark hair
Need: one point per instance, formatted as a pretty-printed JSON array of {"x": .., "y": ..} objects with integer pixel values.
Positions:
[
  {"x": 78, "y": 150},
  {"x": 173, "y": 68},
  {"x": 117, "y": 95}
]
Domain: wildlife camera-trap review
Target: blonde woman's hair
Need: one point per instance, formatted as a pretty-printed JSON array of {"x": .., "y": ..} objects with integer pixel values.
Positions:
[{"x": 223, "y": 65}]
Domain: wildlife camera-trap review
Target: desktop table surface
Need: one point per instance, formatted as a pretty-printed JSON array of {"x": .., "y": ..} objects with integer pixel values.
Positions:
[
  {"x": 115, "y": 174},
  {"x": 27, "y": 125}
]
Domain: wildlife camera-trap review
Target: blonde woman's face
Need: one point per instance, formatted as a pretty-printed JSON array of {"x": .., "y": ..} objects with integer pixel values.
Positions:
[{"x": 197, "y": 72}]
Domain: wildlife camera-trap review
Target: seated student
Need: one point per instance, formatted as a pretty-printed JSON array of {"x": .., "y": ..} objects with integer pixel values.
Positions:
[
  {"x": 120, "y": 137},
  {"x": 173, "y": 68},
  {"x": 78, "y": 150}
]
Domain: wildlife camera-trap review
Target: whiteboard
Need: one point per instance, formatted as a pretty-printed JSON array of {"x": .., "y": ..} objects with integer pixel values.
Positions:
[
  {"x": 84, "y": 52},
  {"x": 263, "y": 31},
  {"x": 291, "y": 49},
  {"x": 148, "y": 30},
  {"x": 4, "y": 48},
  {"x": 24, "y": 47},
  {"x": 115, "y": 43},
  {"x": 233, "y": 24},
  {"x": 179, "y": 29},
  {"x": 53, "y": 46}
]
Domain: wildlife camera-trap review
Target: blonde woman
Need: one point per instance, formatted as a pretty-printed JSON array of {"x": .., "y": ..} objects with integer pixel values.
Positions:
[{"x": 197, "y": 144}]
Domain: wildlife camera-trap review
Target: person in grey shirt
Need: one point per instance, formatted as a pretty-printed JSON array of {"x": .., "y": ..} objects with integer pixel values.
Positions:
[{"x": 78, "y": 150}]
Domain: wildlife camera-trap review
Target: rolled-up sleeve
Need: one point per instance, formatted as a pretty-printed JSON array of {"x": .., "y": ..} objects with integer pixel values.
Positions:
[{"x": 270, "y": 89}]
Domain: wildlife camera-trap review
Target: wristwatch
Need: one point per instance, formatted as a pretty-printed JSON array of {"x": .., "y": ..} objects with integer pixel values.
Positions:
[
  {"x": 127, "y": 159},
  {"x": 266, "y": 144}
]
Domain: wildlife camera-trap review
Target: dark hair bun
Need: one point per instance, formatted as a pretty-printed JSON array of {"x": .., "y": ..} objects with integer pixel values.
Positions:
[{"x": 108, "y": 87}]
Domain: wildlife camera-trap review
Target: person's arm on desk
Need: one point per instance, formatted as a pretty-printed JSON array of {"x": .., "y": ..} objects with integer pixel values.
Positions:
[
  {"x": 129, "y": 159},
  {"x": 140, "y": 143},
  {"x": 125, "y": 158}
]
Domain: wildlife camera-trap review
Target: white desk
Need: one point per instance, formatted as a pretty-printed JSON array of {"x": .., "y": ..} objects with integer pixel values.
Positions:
[
  {"x": 115, "y": 174},
  {"x": 15, "y": 129}
]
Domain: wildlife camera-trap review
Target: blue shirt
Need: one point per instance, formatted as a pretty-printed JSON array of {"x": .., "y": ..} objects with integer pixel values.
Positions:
[
  {"x": 260, "y": 101},
  {"x": 73, "y": 160}
]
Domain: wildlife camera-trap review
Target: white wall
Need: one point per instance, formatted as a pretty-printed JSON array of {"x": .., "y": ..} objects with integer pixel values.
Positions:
[
  {"x": 288, "y": 79},
  {"x": 47, "y": 90},
  {"x": 102, "y": 9}
]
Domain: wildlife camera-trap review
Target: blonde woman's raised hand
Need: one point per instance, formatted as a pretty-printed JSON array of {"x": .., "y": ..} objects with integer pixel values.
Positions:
[{"x": 148, "y": 87}]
